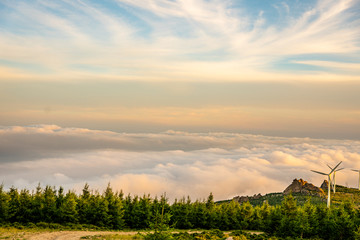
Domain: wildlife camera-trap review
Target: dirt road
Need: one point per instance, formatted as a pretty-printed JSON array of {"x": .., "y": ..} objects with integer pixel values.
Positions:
[
  {"x": 76, "y": 235},
  {"x": 61, "y": 235}
]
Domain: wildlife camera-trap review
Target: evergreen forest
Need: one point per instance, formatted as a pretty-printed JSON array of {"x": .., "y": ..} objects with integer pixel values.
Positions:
[{"x": 50, "y": 207}]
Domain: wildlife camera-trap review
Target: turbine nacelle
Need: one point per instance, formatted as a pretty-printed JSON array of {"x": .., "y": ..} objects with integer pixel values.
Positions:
[
  {"x": 329, "y": 179},
  {"x": 333, "y": 182},
  {"x": 332, "y": 170}
]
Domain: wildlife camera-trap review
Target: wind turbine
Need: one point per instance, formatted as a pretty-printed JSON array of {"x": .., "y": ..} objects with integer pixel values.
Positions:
[
  {"x": 334, "y": 180},
  {"x": 359, "y": 175},
  {"x": 329, "y": 180}
]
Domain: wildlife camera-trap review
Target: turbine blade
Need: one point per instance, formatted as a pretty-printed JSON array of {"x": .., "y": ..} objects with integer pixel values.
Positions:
[
  {"x": 339, "y": 169},
  {"x": 335, "y": 167},
  {"x": 329, "y": 166},
  {"x": 319, "y": 172},
  {"x": 355, "y": 170}
]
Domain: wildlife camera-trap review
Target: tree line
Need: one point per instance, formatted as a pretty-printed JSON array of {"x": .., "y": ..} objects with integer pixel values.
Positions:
[{"x": 113, "y": 210}]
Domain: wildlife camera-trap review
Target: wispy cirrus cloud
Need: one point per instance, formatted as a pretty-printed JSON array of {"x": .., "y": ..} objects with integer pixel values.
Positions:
[
  {"x": 178, "y": 163},
  {"x": 350, "y": 67},
  {"x": 166, "y": 40}
]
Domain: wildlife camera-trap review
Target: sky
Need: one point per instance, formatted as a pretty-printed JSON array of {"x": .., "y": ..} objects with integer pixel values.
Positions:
[{"x": 168, "y": 92}]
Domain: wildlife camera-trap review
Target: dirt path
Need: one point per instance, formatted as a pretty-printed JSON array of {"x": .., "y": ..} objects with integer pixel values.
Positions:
[
  {"x": 70, "y": 235},
  {"x": 66, "y": 235}
]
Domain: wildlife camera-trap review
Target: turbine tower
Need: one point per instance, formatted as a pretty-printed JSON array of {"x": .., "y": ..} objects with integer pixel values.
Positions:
[
  {"x": 334, "y": 179},
  {"x": 359, "y": 175},
  {"x": 329, "y": 180}
]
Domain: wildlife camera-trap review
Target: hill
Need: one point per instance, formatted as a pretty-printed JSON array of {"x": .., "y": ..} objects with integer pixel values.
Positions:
[{"x": 302, "y": 191}]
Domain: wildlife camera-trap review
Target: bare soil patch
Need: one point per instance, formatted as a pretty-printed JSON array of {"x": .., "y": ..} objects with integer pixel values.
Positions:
[{"x": 56, "y": 235}]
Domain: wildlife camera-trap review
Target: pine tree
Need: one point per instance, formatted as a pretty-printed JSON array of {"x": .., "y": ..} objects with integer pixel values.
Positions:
[
  {"x": 161, "y": 220},
  {"x": 228, "y": 215},
  {"x": 3, "y": 205},
  {"x": 25, "y": 205},
  {"x": 210, "y": 213},
  {"x": 49, "y": 205},
  {"x": 344, "y": 223},
  {"x": 325, "y": 222},
  {"x": 14, "y": 204},
  {"x": 135, "y": 216},
  {"x": 289, "y": 222},
  {"x": 59, "y": 202},
  {"x": 67, "y": 210},
  {"x": 98, "y": 211},
  {"x": 245, "y": 215},
  {"x": 115, "y": 209},
  {"x": 265, "y": 214},
  {"x": 181, "y": 211},
  {"x": 83, "y": 206},
  {"x": 145, "y": 203},
  {"x": 127, "y": 206},
  {"x": 37, "y": 205},
  {"x": 308, "y": 223},
  {"x": 198, "y": 214}
]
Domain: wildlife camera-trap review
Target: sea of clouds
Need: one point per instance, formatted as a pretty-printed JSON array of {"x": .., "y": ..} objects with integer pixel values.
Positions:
[{"x": 176, "y": 163}]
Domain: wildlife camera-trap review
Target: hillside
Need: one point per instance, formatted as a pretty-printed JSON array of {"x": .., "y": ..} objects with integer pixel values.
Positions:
[
  {"x": 346, "y": 194},
  {"x": 302, "y": 191}
]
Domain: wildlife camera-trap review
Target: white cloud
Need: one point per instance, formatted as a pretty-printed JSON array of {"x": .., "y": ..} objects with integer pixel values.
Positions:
[
  {"x": 177, "y": 163},
  {"x": 279, "y": 157}
]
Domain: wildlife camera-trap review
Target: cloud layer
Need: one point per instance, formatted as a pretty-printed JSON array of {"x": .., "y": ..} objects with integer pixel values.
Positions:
[{"x": 177, "y": 163}]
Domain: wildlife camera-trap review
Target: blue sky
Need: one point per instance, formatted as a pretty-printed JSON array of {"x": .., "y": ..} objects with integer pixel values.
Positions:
[{"x": 241, "y": 40}]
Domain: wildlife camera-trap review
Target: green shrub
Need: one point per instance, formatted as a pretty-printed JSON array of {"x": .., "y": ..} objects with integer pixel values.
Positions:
[{"x": 42, "y": 225}]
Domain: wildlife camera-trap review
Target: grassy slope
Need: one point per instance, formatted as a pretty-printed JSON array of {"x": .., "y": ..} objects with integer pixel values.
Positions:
[
  {"x": 342, "y": 194},
  {"x": 345, "y": 194},
  {"x": 277, "y": 198}
]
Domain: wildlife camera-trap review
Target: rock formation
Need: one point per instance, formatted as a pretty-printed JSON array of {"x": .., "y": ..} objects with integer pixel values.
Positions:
[
  {"x": 301, "y": 186},
  {"x": 242, "y": 199},
  {"x": 324, "y": 185},
  {"x": 297, "y": 186}
]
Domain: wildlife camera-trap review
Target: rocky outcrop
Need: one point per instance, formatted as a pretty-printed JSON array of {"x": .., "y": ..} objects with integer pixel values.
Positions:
[
  {"x": 242, "y": 199},
  {"x": 297, "y": 186},
  {"x": 301, "y": 186},
  {"x": 324, "y": 185}
]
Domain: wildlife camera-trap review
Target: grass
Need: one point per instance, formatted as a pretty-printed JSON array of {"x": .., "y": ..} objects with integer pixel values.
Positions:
[
  {"x": 276, "y": 198},
  {"x": 184, "y": 234},
  {"x": 342, "y": 194},
  {"x": 14, "y": 233}
]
